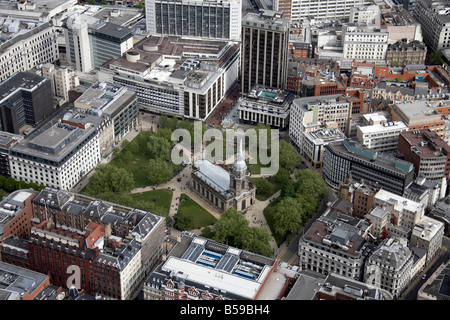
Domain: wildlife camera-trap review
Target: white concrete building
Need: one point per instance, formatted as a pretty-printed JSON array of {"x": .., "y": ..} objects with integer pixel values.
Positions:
[
  {"x": 364, "y": 42},
  {"x": 193, "y": 18},
  {"x": 56, "y": 157},
  {"x": 309, "y": 114},
  {"x": 314, "y": 144},
  {"x": 29, "y": 44},
  {"x": 62, "y": 80},
  {"x": 434, "y": 16},
  {"x": 390, "y": 266},
  {"x": 365, "y": 14},
  {"x": 428, "y": 234},
  {"x": 404, "y": 213},
  {"x": 177, "y": 76},
  {"x": 321, "y": 9},
  {"x": 90, "y": 42},
  {"x": 381, "y": 137}
]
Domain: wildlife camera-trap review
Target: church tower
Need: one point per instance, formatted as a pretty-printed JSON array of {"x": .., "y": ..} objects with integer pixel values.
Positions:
[{"x": 239, "y": 176}]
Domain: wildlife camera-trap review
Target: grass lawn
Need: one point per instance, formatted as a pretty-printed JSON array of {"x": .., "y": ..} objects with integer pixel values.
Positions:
[
  {"x": 200, "y": 216},
  {"x": 162, "y": 197},
  {"x": 263, "y": 196}
]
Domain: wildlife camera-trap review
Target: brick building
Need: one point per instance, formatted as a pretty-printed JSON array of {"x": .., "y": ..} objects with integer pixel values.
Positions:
[{"x": 427, "y": 151}]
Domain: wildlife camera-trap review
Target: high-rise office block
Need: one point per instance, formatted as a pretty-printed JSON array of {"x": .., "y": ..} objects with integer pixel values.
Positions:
[
  {"x": 298, "y": 10},
  {"x": 91, "y": 42},
  {"x": 210, "y": 19},
  {"x": 265, "y": 44},
  {"x": 25, "y": 99}
]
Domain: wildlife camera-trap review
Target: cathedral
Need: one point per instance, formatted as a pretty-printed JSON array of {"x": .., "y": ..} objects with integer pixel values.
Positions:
[{"x": 222, "y": 186}]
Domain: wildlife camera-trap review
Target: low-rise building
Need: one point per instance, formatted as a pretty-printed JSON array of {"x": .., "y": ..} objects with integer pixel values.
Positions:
[
  {"x": 58, "y": 155},
  {"x": 20, "y": 283},
  {"x": 314, "y": 144},
  {"x": 404, "y": 53},
  {"x": 390, "y": 265},
  {"x": 335, "y": 243},
  {"x": 347, "y": 159},
  {"x": 115, "y": 247},
  {"x": 427, "y": 151},
  {"x": 381, "y": 137},
  {"x": 117, "y": 102},
  {"x": 264, "y": 105},
  {"x": 176, "y": 76},
  {"x": 202, "y": 269}
]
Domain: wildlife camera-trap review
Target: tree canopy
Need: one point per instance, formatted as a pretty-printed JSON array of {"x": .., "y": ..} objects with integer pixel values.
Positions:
[
  {"x": 109, "y": 178},
  {"x": 233, "y": 227}
]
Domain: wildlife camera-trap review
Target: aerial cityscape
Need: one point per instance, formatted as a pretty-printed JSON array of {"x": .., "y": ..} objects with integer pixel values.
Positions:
[{"x": 232, "y": 150}]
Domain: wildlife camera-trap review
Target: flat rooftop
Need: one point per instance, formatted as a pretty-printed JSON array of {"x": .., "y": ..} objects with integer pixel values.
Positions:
[
  {"x": 219, "y": 266},
  {"x": 20, "y": 80}
]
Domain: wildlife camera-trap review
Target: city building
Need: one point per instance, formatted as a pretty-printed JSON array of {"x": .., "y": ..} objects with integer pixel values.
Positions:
[
  {"x": 427, "y": 234},
  {"x": 265, "y": 50},
  {"x": 224, "y": 187},
  {"x": 62, "y": 80},
  {"x": 103, "y": 124},
  {"x": 381, "y": 137},
  {"x": 119, "y": 103},
  {"x": 314, "y": 143},
  {"x": 389, "y": 267},
  {"x": 324, "y": 79},
  {"x": 115, "y": 247},
  {"x": 441, "y": 212},
  {"x": 418, "y": 115},
  {"x": 335, "y": 243},
  {"x": 404, "y": 53},
  {"x": 57, "y": 155},
  {"x": 177, "y": 76},
  {"x": 427, "y": 151},
  {"x": 347, "y": 159},
  {"x": 426, "y": 191},
  {"x": 26, "y": 45},
  {"x": 364, "y": 42},
  {"x": 25, "y": 100},
  {"x": 196, "y": 19},
  {"x": 298, "y": 10},
  {"x": 90, "y": 42},
  {"x": 7, "y": 140},
  {"x": 309, "y": 114},
  {"x": 436, "y": 287},
  {"x": 42, "y": 10},
  {"x": 15, "y": 214},
  {"x": 266, "y": 106},
  {"x": 363, "y": 200},
  {"x": 371, "y": 15},
  {"x": 435, "y": 20},
  {"x": 394, "y": 215},
  {"x": 198, "y": 268},
  {"x": 21, "y": 284},
  {"x": 337, "y": 287}
]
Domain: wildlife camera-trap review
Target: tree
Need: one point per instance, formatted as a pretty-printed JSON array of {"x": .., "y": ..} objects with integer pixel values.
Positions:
[
  {"x": 159, "y": 171},
  {"x": 257, "y": 240},
  {"x": 310, "y": 183},
  {"x": 182, "y": 222},
  {"x": 289, "y": 158},
  {"x": 157, "y": 147},
  {"x": 10, "y": 184},
  {"x": 2, "y": 181},
  {"x": 287, "y": 217},
  {"x": 281, "y": 176},
  {"x": 233, "y": 227},
  {"x": 436, "y": 57},
  {"x": 230, "y": 227},
  {"x": 109, "y": 178},
  {"x": 287, "y": 188}
]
